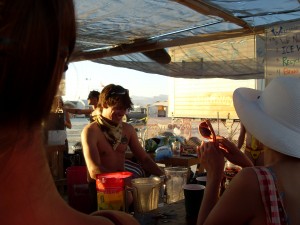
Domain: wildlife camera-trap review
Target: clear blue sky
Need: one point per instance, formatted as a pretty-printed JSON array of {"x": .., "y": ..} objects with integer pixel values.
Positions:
[{"x": 81, "y": 77}]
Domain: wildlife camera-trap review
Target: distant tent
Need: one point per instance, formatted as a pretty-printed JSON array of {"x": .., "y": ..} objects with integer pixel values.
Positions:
[{"x": 158, "y": 109}]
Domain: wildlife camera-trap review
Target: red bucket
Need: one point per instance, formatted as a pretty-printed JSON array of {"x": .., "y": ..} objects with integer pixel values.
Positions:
[{"x": 110, "y": 190}]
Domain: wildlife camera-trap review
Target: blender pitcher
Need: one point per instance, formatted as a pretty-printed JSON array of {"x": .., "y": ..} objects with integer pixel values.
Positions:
[{"x": 145, "y": 193}]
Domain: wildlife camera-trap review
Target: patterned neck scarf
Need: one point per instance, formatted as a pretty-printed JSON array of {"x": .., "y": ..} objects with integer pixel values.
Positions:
[{"x": 113, "y": 133}]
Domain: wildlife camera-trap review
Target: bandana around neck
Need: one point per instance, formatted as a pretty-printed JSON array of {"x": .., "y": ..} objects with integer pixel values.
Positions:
[{"x": 111, "y": 132}]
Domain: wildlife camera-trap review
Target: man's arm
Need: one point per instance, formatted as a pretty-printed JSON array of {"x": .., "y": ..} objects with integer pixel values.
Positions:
[
  {"x": 139, "y": 152},
  {"x": 68, "y": 123},
  {"x": 90, "y": 151},
  {"x": 79, "y": 111},
  {"x": 149, "y": 165}
]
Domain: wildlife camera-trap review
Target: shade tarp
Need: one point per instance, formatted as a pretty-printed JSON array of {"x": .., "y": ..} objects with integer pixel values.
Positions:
[{"x": 203, "y": 39}]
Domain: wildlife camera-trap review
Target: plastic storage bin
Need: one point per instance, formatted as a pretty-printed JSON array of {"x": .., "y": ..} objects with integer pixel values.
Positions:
[{"x": 78, "y": 191}]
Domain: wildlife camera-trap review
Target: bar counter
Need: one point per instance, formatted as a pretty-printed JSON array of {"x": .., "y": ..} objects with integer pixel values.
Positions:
[{"x": 173, "y": 214}]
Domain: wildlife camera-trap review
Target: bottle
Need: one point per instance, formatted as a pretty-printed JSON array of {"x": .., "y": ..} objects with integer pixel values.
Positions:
[{"x": 176, "y": 147}]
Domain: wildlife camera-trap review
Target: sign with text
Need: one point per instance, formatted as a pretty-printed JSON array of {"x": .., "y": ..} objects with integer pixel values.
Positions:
[{"x": 283, "y": 50}]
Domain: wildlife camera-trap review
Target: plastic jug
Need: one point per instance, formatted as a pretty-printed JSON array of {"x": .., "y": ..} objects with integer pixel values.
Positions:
[
  {"x": 146, "y": 193},
  {"x": 111, "y": 190},
  {"x": 176, "y": 178}
]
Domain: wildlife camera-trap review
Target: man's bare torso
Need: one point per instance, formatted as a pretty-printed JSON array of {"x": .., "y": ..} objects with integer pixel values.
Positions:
[{"x": 110, "y": 160}]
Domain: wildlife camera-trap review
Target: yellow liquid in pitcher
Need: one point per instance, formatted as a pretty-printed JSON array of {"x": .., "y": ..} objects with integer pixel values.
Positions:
[{"x": 112, "y": 200}]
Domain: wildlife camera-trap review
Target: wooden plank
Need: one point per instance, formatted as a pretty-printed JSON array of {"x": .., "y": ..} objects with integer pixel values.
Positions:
[
  {"x": 211, "y": 10},
  {"x": 164, "y": 43}
]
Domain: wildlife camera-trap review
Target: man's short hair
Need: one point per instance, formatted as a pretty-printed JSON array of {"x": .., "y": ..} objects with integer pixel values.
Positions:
[
  {"x": 113, "y": 95},
  {"x": 94, "y": 94}
]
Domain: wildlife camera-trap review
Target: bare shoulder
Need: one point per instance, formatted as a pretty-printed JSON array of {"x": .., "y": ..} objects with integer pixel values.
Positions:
[
  {"x": 241, "y": 202},
  {"x": 91, "y": 128},
  {"x": 244, "y": 185},
  {"x": 246, "y": 178},
  {"x": 127, "y": 125},
  {"x": 128, "y": 128}
]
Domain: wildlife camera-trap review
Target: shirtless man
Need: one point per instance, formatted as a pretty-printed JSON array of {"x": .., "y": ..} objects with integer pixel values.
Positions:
[
  {"x": 254, "y": 149},
  {"x": 105, "y": 140}
]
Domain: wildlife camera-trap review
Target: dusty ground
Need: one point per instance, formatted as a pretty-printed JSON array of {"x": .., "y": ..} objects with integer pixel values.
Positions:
[
  {"x": 182, "y": 127},
  {"x": 221, "y": 127}
]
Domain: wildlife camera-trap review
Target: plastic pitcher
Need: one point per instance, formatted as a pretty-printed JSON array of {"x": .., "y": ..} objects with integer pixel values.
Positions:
[
  {"x": 111, "y": 190},
  {"x": 145, "y": 193},
  {"x": 176, "y": 178}
]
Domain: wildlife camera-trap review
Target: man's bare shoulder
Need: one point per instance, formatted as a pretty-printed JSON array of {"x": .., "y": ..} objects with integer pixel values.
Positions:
[
  {"x": 128, "y": 128},
  {"x": 92, "y": 127}
]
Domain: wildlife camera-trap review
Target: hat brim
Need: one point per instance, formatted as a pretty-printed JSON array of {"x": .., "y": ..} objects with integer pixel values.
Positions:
[{"x": 267, "y": 130}]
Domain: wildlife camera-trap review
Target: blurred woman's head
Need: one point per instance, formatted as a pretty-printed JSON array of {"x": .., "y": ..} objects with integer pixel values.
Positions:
[{"x": 36, "y": 40}]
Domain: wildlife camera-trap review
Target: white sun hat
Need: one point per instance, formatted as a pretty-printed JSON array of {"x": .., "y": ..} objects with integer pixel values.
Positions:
[{"x": 272, "y": 116}]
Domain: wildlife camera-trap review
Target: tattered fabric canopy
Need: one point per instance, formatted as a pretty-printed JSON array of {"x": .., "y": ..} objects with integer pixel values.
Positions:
[{"x": 184, "y": 38}]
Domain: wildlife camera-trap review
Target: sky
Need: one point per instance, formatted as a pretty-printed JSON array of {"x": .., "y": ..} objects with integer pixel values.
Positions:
[{"x": 82, "y": 77}]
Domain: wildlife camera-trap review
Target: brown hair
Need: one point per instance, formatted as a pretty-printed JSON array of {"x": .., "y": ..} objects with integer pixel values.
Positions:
[
  {"x": 113, "y": 95},
  {"x": 36, "y": 40}
]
